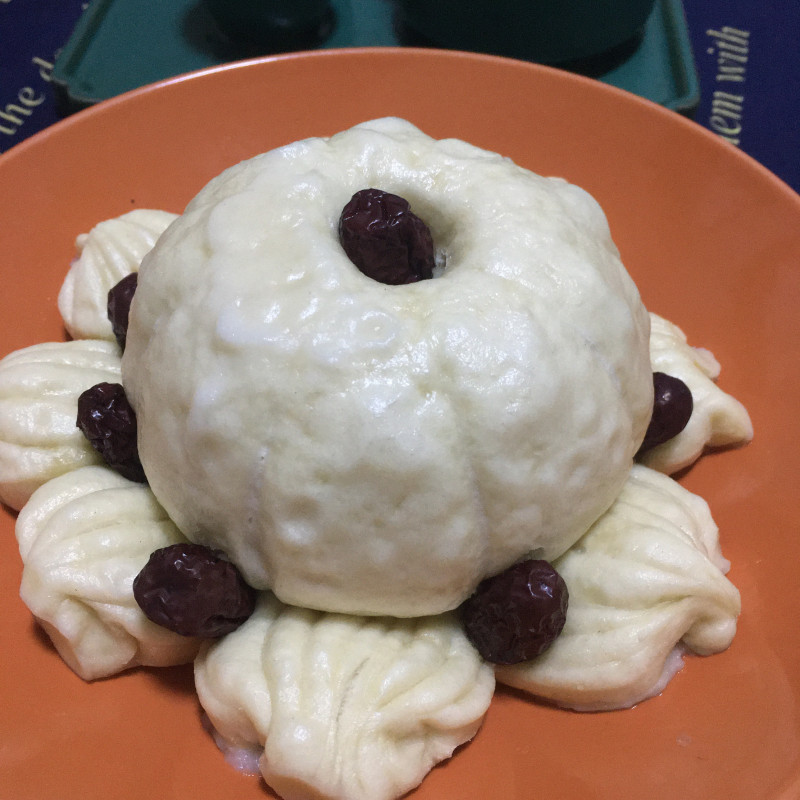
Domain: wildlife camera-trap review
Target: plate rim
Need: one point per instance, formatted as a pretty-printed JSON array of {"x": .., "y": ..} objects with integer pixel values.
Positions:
[{"x": 404, "y": 53}]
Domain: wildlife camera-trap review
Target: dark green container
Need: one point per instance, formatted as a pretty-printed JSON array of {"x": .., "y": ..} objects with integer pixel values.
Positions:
[
  {"x": 276, "y": 25},
  {"x": 546, "y": 31}
]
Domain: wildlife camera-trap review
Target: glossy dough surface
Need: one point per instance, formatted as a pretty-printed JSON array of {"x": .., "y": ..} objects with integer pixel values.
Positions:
[
  {"x": 343, "y": 707},
  {"x": 717, "y": 420},
  {"x": 647, "y": 576},
  {"x": 83, "y": 537},
  {"x": 39, "y": 390},
  {"x": 110, "y": 251},
  {"x": 375, "y": 449}
]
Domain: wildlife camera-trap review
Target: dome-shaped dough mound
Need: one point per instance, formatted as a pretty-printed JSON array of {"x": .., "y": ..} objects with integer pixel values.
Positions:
[{"x": 375, "y": 449}]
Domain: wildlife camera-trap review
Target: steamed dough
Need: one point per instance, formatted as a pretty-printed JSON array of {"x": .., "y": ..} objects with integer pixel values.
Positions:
[
  {"x": 373, "y": 449},
  {"x": 717, "y": 420},
  {"x": 342, "y": 707},
  {"x": 106, "y": 254},
  {"x": 39, "y": 390},
  {"x": 647, "y": 576},
  {"x": 83, "y": 537}
]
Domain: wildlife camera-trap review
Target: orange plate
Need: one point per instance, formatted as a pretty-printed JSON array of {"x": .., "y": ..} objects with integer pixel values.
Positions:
[{"x": 713, "y": 241}]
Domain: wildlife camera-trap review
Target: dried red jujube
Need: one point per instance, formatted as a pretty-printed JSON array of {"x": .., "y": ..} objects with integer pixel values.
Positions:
[
  {"x": 108, "y": 421},
  {"x": 385, "y": 239},
  {"x": 193, "y": 590},
  {"x": 672, "y": 408},
  {"x": 119, "y": 305},
  {"x": 518, "y": 614}
]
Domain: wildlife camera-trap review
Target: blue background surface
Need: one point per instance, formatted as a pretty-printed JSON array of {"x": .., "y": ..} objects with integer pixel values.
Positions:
[
  {"x": 771, "y": 107},
  {"x": 31, "y": 34}
]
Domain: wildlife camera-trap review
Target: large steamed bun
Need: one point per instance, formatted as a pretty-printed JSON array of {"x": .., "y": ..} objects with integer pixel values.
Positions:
[{"x": 374, "y": 449}]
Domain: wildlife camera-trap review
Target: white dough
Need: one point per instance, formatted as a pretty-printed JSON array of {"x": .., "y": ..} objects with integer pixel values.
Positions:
[
  {"x": 717, "y": 418},
  {"x": 83, "y": 538},
  {"x": 39, "y": 390},
  {"x": 376, "y": 449},
  {"x": 647, "y": 576},
  {"x": 344, "y": 708},
  {"x": 110, "y": 251}
]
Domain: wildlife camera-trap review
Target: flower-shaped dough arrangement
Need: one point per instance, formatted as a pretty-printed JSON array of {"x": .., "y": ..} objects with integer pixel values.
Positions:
[{"x": 369, "y": 454}]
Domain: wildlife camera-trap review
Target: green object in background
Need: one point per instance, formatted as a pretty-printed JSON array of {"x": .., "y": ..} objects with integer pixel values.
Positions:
[
  {"x": 545, "y": 31},
  {"x": 295, "y": 24},
  {"x": 120, "y": 45}
]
